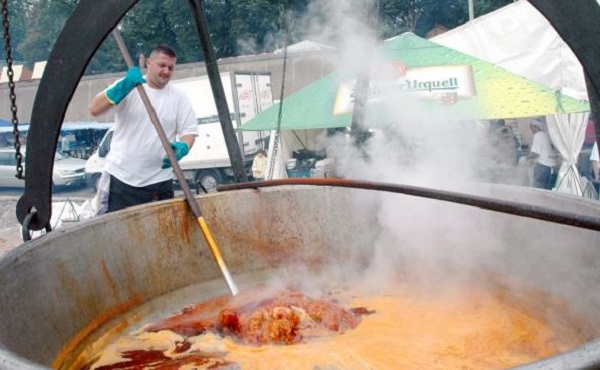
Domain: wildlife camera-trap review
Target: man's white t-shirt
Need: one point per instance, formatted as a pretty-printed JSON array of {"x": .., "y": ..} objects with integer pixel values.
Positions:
[
  {"x": 542, "y": 146},
  {"x": 136, "y": 152},
  {"x": 595, "y": 156}
]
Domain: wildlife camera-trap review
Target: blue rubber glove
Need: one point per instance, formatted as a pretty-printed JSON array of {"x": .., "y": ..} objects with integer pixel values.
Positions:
[
  {"x": 180, "y": 148},
  {"x": 119, "y": 91}
]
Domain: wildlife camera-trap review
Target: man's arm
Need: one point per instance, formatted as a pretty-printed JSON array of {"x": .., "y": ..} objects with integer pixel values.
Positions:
[
  {"x": 532, "y": 157},
  {"x": 596, "y": 169},
  {"x": 117, "y": 92},
  {"x": 181, "y": 148},
  {"x": 189, "y": 140},
  {"x": 535, "y": 148},
  {"x": 100, "y": 104}
]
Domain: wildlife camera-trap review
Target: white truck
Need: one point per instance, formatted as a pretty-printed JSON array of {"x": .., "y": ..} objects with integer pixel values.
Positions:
[{"x": 208, "y": 163}]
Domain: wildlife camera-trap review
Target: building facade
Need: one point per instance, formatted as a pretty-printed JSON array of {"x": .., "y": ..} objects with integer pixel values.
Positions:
[{"x": 301, "y": 70}]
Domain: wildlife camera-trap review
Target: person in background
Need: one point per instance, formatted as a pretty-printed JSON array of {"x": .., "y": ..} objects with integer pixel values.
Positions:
[
  {"x": 504, "y": 148},
  {"x": 65, "y": 143},
  {"x": 544, "y": 156},
  {"x": 259, "y": 166},
  {"x": 137, "y": 164}
]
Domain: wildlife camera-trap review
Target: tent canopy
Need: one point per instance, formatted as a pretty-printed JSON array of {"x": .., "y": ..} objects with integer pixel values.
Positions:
[
  {"x": 304, "y": 47},
  {"x": 72, "y": 126},
  {"x": 520, "y": 39},
  {"x": 8, "y": 123},
  {"x": 67, "y": 126},
  {"x": 494, "y": 92}
]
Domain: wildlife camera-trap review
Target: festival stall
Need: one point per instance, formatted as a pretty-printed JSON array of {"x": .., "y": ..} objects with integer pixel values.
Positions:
[
  {"x": 521, "y": 40},
  {"x": 414, "y": 74}
]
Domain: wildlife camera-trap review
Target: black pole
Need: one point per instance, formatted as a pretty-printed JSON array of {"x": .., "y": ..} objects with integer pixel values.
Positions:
[
  {"x": 361, "y": 90},
  {"x": 212, "y": 69}
]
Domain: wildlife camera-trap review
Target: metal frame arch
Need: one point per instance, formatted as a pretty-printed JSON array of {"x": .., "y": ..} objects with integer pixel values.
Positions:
[{"x": 82, "y": 35}]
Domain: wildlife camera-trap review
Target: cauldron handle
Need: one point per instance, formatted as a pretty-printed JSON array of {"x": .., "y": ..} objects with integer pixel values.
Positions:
[{"x": 84, "y": 31}]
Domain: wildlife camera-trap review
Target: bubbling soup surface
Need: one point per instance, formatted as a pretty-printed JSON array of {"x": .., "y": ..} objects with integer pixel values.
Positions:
[{"x": 473, "y": 327}]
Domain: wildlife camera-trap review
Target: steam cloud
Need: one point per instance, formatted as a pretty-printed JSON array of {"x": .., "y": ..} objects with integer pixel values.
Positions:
[{"x": 409, "y": 146}]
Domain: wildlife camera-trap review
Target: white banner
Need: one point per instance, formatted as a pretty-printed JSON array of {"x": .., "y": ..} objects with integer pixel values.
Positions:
[{"x": 437, "y": 83}]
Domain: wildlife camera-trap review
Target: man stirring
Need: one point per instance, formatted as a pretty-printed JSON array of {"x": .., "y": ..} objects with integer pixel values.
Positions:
[{"x": 137, "y": 164}]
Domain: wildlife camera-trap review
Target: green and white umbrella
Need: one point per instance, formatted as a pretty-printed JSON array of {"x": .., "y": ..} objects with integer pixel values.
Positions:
[{"x": 442, "y": 81}]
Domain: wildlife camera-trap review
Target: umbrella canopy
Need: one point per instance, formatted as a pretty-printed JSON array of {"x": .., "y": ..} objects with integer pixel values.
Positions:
[
  {"x": 7, "y": 125},
  {"x": 443, "y": 80},
  {"x": 67, "y": 126}
]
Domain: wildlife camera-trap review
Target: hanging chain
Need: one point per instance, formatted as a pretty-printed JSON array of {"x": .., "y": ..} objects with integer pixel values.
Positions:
[
  {"x": 11, "y": 87},
  {"x": 277, "y": 138}
]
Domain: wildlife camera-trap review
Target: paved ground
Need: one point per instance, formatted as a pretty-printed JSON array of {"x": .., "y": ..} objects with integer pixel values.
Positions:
[
  {"x": 65, "y": 205},
  {"x": 10, "y": 229}
]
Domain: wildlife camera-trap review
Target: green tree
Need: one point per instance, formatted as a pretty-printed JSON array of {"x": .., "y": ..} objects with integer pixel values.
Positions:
[
  {"x": 420, "y": 16},
  {"x": 220, "y": 31},
  {"x": 255, "y": 25},
  {"x": 152, "y": 22},
  {"x": 17, "y": 18},
  {"x": 482, "y": 7},
  {"x": 397, "y": 16},
  {"x": 45, "y": 20},
  {"x": 237, "y": 27},
  {"x": 450, "y": 14}
]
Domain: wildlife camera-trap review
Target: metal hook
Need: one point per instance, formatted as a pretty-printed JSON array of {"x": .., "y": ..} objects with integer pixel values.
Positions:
[{"x": 25, "y": 233}]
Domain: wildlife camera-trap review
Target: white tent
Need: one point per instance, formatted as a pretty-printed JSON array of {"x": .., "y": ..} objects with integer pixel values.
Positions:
[
  {"x": 520, "y": 39},
  {"x": 305, "y": 46},
  {"x": 66, "y": 126}
]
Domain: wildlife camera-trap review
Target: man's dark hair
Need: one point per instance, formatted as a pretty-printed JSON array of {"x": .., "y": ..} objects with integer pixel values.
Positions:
[{"x": 164, "y": 49}]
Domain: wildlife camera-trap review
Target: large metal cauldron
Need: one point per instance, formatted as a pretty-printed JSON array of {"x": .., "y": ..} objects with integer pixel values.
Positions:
[
  {"x": 53, "y": 288},
  {"x": 72, "y": 281}
]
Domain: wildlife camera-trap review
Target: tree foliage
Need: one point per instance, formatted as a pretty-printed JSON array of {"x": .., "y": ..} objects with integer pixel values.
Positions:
[
  {"x": 237, "y": 27},
  {"x": 17, "y": 12}
]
